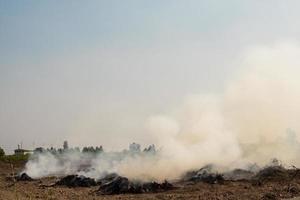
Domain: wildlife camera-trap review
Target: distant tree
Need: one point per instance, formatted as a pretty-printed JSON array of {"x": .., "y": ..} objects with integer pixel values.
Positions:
[
  {"x": 60, "y": 151},
  {"x": 99, "y": 149},
  {"x": 91, "y": 149},
  {"x": 150, "y": 149},
  {"x": 135, "y": 148},
  {"x": 52, "y": 150},
  {"x": 66, "y": 146},
  {"x": 87, "y": 149},
  {"x": 39, "y": 150},
  {"x": 2, "y": 153}
]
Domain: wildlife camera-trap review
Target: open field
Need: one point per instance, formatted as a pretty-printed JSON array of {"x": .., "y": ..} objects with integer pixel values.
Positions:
[{"x": 42, "y": 189}]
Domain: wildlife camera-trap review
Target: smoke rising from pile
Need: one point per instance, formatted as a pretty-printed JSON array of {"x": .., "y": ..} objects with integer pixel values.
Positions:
[{"x": 253, "y": 120}]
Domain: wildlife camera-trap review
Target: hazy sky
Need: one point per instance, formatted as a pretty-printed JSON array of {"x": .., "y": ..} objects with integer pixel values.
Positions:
[{"x": 92, "y": 72}]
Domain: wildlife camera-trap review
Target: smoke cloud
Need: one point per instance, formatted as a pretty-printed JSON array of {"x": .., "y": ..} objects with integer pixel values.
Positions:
[{"x": 253, "y": 120}]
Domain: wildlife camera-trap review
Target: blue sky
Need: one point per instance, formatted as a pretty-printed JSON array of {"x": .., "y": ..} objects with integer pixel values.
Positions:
[
  {"x": 53, "y": 27},
  {"x": 98, "y": 68}
]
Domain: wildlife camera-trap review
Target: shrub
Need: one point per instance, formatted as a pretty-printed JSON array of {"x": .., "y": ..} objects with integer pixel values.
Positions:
[{"x": 2, "y": 153}]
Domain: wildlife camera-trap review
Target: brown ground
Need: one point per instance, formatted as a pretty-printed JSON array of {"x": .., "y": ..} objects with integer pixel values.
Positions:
[{"x": 229, "y": 190}]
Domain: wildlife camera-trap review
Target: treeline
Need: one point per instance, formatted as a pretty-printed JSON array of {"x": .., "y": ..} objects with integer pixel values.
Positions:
[
  {"x": 133, "y": 148},
  {"x": 89, "y": 149}
]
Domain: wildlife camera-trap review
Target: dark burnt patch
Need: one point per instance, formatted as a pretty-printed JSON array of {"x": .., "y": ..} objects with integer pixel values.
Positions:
[
  {"x": 76, "y": 181},
  {"x": 23, "y": 177},
  {"x": 114, "y": 184}
]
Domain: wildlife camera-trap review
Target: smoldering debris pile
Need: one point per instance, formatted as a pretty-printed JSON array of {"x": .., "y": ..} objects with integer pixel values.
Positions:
[
  {"x": 22, "y": 177},
  {"x": 239, "y": 174},
  {"x": 270, "y": 173},
  {"x": 76, "y": 181},
  {"x": 123, "y": 172},
  {"x": 119, "y": 185},
  {"x": 19, "y": 177},
  {"x": 205, "y": 174},
  {"x": 276, "y": 173},
  {"x": 114, "y": 184}
]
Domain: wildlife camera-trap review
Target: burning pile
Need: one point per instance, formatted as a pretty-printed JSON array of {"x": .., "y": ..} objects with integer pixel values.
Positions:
[
  {"x": 120, "y": 185},
  {"x": 77, "y": 181},
  {"x": 23, "y": 177},
  {"x": 275, "y": 174},
  {"x": 94, "y": 167},
  {"x": 205, "y": 174},
  {"x": 19, "y": 177},
  {"x": 114, "y": 184}
]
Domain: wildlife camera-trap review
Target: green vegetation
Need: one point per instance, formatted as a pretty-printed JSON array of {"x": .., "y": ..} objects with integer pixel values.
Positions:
[
  {"x": 2, "y": 153},
  {"x": 12, "y": 158}
]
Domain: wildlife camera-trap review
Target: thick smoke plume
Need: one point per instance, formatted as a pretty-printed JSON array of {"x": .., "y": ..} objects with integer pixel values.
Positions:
[{"x": 253, "y": 120}]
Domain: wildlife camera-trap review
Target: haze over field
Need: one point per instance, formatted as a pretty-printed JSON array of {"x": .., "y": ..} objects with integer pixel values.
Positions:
[
  {"x": 254, "y": 120},
  {"x": 206, "y": 81}
]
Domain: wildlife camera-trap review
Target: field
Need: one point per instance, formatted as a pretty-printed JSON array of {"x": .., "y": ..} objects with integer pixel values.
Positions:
[{"x": 43, "y": 189}]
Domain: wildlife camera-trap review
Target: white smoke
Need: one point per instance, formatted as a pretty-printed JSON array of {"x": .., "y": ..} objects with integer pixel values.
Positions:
[
  {"x": 253, "y": 120},
  {"x": 249, "y": 122},
  {"x": 94, "y": 165}
]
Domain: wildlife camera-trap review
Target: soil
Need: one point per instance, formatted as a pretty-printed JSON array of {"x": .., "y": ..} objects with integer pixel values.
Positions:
[{"x": 270, "y": 188}]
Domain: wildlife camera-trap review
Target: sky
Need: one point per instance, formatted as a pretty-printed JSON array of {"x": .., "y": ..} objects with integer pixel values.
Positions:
[{"x": 92, "y": 72}]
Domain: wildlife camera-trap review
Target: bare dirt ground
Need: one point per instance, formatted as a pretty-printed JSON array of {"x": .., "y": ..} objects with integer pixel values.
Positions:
[{"x": 41, "y": 189}]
